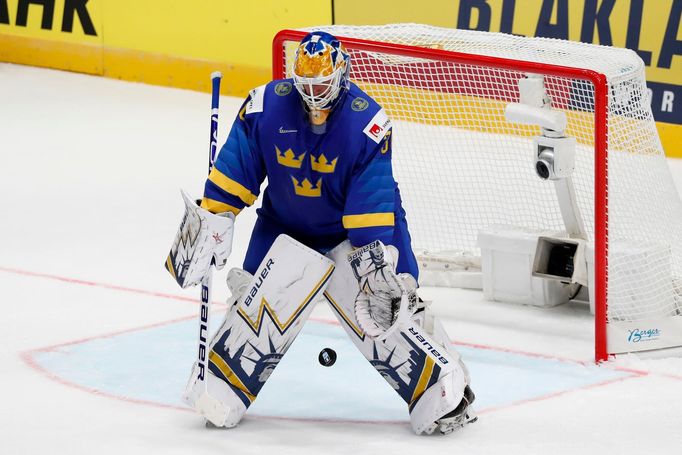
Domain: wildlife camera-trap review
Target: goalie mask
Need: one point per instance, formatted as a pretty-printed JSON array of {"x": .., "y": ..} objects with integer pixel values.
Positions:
[{"x": 321, "y": 69}]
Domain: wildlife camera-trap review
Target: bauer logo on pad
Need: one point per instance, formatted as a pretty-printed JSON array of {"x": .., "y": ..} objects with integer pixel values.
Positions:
[{"x": 259, "y": 281}]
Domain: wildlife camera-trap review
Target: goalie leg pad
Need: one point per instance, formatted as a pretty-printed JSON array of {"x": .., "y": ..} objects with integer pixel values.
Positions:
[
  {"x": 416, "y": 359},
  {"x": 260, "y": 328},
  {"x": 437, "y": 401},
  {"x": 217, "y": 402},
  {"x": 426, "y": 319}
]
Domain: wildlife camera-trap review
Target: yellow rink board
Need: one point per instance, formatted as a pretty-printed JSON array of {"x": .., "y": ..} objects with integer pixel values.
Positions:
[
  {"x": 174, "y": 43},
  {"x": 179, "y": 43}
]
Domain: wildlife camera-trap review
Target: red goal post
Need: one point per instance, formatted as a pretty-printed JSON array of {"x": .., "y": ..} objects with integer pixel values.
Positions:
[{"x": 601, "y": 92}]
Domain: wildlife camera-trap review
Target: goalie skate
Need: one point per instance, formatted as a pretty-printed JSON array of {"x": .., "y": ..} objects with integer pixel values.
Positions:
[{"x": 462, "y": 415}]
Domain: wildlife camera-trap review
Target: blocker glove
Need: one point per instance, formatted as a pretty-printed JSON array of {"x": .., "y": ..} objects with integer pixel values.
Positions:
[{"x": 202, "y": 238}]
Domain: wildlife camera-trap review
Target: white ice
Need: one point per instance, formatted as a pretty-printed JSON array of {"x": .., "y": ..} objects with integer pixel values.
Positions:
[{"x": 90, "y": 172}]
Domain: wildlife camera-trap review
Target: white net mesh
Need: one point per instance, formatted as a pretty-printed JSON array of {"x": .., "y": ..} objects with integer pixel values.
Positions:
[{"x": 462, "y": 167}]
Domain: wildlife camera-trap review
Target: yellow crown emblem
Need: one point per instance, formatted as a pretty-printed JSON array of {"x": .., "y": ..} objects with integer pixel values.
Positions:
[
  {"x": 322, "y": 165},
  {"x": 288, "y": 158},
  {"x": 305, "y": 188}
]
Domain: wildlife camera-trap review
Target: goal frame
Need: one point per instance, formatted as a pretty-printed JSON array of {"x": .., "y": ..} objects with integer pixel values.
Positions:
[{"x": 601, "y": 93}]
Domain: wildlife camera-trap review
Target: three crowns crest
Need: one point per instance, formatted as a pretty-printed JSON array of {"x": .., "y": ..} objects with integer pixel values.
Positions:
[{"x": 319, "y": 164}]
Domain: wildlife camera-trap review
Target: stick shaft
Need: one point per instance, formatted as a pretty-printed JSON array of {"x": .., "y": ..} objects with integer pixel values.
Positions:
[
  {"x": 206, "y": 281},
  {"x": 215, "y": 102}
]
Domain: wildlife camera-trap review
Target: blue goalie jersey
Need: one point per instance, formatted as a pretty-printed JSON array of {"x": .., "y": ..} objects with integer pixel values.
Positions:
[{"x": 325, "y": 183}]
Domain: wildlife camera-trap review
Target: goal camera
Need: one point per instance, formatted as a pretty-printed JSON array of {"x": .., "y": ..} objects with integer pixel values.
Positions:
[
  {"x": 554, "y": 152},
  {"x": 554, "y": 157}
]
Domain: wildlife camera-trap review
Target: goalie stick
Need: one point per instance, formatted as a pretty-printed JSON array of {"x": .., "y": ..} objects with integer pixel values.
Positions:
[{"x": 206, "y": 281}]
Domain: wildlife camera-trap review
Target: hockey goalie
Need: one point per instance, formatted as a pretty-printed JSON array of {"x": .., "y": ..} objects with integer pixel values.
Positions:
[{"x": 331, "y": 227}]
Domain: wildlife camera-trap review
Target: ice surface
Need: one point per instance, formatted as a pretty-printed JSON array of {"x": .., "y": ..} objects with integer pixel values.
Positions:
[{"x": 95, "y": 338}]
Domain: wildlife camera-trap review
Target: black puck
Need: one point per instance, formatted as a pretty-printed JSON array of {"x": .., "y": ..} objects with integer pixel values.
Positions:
[{"x": 327, "y": 357}]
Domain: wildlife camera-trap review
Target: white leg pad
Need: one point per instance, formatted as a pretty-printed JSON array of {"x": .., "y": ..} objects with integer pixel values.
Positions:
[
  {"x": 438, "y": 400},
  {"x": 258, "y": 329},
  {"x": 435, "y": 328},
  {"x": 408, "y": 358}
]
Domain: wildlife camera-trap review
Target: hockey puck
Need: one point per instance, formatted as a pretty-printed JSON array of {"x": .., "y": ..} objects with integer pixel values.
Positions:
[{"x": 327, "y": 357}]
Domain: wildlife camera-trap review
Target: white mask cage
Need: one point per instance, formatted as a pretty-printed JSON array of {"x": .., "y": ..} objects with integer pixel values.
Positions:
[{"x": 319, "y": 92}]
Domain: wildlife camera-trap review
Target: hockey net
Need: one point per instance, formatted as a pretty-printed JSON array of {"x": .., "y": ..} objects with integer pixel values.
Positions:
[{"x": 462, "y": 167}]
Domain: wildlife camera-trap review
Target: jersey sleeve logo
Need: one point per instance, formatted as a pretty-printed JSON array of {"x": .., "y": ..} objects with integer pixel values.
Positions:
[
  {"x": 283, "y": 88},
  {"x": 377, "y": 128},
  {"x": 255, "y": 103},
  {"x": 359, "y": 104}
]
